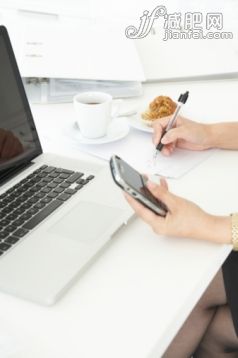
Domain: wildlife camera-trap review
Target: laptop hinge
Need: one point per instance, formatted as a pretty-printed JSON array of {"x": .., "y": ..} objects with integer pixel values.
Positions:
[{"x": 8, "y": 174}]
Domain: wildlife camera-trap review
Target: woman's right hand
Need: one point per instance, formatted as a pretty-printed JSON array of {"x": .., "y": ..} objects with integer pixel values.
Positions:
[{"x": 186, "y": 134}]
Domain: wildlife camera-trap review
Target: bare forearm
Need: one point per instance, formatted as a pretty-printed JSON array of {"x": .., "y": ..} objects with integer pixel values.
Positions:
[
  {"x": 212, "y": 228},
  {"x": 223, "y": 135}
]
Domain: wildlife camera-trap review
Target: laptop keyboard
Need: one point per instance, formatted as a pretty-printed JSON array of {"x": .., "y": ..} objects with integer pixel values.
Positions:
[{"x": 33, "y": 199}]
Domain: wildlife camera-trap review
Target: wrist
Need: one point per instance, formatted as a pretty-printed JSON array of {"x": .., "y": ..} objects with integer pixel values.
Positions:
[
  {"x": 215, "y": 135},
  {"x": 213, "y": 228},
  {"x": 219, "y": 229}
]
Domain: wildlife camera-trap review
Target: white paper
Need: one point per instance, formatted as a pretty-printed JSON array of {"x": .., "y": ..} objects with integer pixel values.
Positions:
[
  {"x": 138, "y": 150},
  {"x": 86, "y": 50}
]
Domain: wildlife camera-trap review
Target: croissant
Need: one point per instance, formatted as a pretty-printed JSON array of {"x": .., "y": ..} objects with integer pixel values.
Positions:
[{"x": 161, "y": 106}]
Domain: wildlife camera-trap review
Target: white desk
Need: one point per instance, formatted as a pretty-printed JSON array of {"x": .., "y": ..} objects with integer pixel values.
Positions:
[{"x": 134, "y": 298}]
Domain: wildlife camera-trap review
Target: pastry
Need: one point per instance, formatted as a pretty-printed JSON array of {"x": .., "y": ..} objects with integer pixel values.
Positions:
[{"x": 161, "y": 106}]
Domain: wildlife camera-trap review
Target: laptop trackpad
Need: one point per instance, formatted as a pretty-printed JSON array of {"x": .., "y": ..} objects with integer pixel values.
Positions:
[{"x": 86, "y": 222}]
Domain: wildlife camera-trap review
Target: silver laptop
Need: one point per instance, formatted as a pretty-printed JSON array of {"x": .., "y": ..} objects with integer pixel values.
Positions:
[{"x": 56, "y": 213}]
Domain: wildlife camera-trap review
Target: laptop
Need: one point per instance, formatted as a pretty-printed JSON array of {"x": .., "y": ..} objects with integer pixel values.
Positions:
[{"x": 56, "y": 213}]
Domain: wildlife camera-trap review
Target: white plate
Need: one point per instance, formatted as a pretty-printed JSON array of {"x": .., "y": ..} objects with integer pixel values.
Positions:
[
  {"x": 138, "y": 123},
  {"x": 118, "y": 129}
]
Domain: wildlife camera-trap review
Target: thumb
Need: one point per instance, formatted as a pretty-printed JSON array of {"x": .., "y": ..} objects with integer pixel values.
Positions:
[
  {"x": 173, "y": 134},
  {"x": 161, "y": 193}
]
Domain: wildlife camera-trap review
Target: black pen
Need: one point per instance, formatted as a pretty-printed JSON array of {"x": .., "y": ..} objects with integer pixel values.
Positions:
[{"x": 181, "y": 101}]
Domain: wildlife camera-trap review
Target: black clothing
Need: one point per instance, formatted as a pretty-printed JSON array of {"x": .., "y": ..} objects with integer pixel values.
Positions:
[{"x": 230, "y": 275}]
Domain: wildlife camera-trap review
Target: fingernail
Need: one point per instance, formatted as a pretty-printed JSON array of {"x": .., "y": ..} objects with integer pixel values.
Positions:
[{"x": 165, "y": 139}]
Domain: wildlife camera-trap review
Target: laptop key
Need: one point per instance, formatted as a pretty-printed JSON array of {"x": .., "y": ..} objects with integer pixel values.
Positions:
[
  {"x": 20, "y": 232},
  {"x": 25, "y": 217},
  {"x": 54, "y": 175},
  {"x": 19, "y": 222},
  {"x": 58, "y": 181},
  {"x": 11, "y": 207},
  {"x": 70, "y": 191},
  {"x": 33, "y": 200},
  {"x": 40, "y": 195},
  {"x": 29, "y": 193},
  {"x": 64, "y": 197},
  {"x": 17, "y": 211},
  {"x": 42, "y": 167},
  {"x": 41, "y": 184},
  {"x": 6, "y": 201},
  {"x": 4, "y": 246},
  {"x": 46, "y": 200},
  {"x": 41, "y": 175},
  {"x": 90, "y": 177},
  {"x": 7, "y": 210},
  {"x": 82, "y": 181},
  {"x": 11, "y": 216},
  {"x": 74, "y": 177},
  {"x": 47, "y": 180},
  {"x": 52, "y": 185},
  {"x": 12, "y": 240},
  {"x": 2, "y": 215},
  {"x": 64, "y": 176},
  {"x": 22, "y": 198},
  {"x": 48, "y": 170},
  {"x": 39, "y": 205},
  {"x": 64, "y": 185},
  {"x": 31, "y": 184},
  {"x": 42, "y": 214},
  {"x": 52, "y": 195},
  {"x": 58, "y": 190},
  {"x": 12, "y": 189},
  {"x": 31, "y": 211},
  {"x": 4, "y": 234},
  {"x": 4, "y": 222},
  {"x": 34, "y": 189},
  {"x": 25, "y": 206},
  {"x": 14, "y": 205},
  {"x": 10, "y": 228},
  {"x": 3, "y": 195},
  {"x": 12, "y": 197},
  {"x": 67, "y": 171},
  {"x": 46, "y": 190},
  {"x": 30, "y": 176}
]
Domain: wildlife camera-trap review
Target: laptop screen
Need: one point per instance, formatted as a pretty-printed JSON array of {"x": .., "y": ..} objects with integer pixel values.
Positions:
[{"x": 19, "y": 142}]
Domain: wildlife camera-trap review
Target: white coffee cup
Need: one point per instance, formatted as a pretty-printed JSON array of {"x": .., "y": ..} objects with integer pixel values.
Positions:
[{"x": 94, "y": 113}]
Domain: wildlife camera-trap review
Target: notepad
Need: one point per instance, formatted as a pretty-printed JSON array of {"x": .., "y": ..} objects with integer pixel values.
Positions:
[
  {"x": 137, "y": 149},
  {"x": 174, "y": 166}
]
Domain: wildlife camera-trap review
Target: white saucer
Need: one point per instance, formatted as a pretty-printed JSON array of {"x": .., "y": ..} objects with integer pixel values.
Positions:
[
  {"x": 118, "y": 129},
  {"x": 138, "y": 123}
]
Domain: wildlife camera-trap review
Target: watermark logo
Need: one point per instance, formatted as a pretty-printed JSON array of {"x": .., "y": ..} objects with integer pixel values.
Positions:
[{"x": 191, "y": 25}]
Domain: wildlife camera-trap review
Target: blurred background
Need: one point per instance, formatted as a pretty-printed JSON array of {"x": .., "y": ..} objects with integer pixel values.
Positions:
[{"x": 66, "y": 46}]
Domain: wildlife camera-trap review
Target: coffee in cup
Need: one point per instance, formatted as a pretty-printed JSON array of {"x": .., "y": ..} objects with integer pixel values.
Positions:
[{"x": 94, "y": 113}]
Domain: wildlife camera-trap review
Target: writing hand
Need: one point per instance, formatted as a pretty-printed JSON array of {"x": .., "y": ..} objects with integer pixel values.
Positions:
[{"x": 186, "y": 134}]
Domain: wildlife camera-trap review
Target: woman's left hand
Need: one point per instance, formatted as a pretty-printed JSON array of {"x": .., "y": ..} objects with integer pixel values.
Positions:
[{"x": 184, "y": 218}]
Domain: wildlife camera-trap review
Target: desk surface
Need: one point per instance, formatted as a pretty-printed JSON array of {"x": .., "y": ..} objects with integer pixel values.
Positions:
[{"x": 133, "y": 299}]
